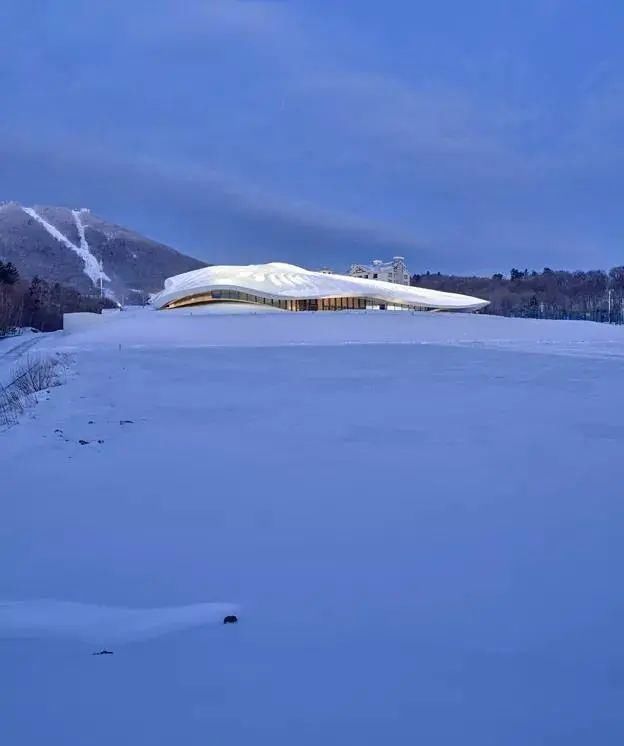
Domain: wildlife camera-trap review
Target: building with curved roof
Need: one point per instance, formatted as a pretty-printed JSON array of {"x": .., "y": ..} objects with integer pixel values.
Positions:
[{"x": 291, "y": 288}]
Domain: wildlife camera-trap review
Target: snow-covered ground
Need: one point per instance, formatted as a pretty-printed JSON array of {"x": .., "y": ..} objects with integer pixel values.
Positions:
[
  {"x": 14, "y": 349},
  {"x": 419, "y": 518},
  {"x": 238, "y": 325}
]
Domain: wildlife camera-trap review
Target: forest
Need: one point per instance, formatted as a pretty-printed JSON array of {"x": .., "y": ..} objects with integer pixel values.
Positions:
[
  {"x": 39, "y": 304},
  {"x": 593, "y": 295}
]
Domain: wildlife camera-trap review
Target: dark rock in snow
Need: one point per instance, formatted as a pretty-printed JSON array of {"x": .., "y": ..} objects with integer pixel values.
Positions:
[{"x": 230, "y": 619}]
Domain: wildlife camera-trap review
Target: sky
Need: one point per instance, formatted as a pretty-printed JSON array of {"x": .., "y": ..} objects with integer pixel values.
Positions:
[{"x": 469, "y": 137}]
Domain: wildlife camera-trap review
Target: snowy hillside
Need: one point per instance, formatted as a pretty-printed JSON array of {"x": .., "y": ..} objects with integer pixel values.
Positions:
[
  {"x": 77, "y": 248},
  {"x": 417, "y": 517}
]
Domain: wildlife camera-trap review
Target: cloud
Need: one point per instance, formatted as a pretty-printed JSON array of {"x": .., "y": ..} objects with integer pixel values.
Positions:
[
  {"x": 218, "y": 218},
  {"x": 440, "y": 128},
  {"x": 253, "y": 21},
  {"x": 247, "y": 120}
]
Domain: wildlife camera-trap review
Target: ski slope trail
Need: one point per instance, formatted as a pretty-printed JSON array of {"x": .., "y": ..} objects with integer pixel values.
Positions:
[
  {"x": 92, "y": 267},
  {"x": 81, "y": 231}
]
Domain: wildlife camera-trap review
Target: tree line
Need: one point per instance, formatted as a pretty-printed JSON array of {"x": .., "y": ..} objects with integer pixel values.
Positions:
[
  {"x": 39, "y": 304},
  {"x": 593, "y": 295}
]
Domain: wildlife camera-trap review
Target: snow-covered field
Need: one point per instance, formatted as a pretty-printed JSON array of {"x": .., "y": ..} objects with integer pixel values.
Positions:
[{"x": 418, "y": 518}]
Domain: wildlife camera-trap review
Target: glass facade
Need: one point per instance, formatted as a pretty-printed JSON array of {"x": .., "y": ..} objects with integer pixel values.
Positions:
[{"x": 349, "y": 303}]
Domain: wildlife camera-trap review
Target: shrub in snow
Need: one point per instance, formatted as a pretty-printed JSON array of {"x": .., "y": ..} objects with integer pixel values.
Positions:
[{"x": 28, "y": 378}]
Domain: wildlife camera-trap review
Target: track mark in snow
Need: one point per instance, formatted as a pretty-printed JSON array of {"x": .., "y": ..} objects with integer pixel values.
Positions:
[
  {"x": 20, "y": 349},
  {"x": 103, "y": 624},
  {"x": 91, "y": 265}
]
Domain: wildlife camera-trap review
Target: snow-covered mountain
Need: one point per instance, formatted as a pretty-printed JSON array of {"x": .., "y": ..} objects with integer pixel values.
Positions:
[{"x": 75, "y": 247}]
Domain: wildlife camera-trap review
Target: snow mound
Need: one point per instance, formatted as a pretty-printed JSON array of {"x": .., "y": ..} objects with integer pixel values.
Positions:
[{"x": 103, "y": 624}]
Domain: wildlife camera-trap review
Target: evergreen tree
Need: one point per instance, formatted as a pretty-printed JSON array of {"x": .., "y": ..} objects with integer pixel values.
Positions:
[{"x": 8, "y": 273}]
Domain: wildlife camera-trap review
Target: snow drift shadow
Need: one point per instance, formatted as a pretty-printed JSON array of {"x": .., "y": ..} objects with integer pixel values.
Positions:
[{"x": 103, "y": 624}]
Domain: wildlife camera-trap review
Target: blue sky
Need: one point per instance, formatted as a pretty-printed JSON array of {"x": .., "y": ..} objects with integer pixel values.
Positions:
[{"x": 467, "y": 136}]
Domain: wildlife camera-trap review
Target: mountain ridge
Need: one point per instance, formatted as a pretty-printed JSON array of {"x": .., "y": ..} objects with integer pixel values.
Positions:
[{"x": 76, "y": 247}]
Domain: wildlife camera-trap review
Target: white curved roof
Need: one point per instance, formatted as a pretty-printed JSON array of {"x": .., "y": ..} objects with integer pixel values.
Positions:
[{"x": 288, "y": 282}]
